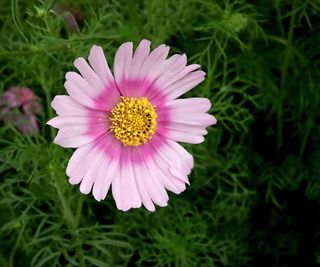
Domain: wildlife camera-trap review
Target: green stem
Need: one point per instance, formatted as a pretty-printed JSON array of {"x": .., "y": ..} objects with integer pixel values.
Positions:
[
  {"x": 60, "y": 48},
  {"x": 135, "y": 18},
  {"x": 284, "y": 74},
  {"x": 67, "y": 213},
  {"x": 45, "y": 86},
  {"x": 79, "y": 210},
  {"x": 16, "y": 19},
  {"x": 71, "y": 220}
]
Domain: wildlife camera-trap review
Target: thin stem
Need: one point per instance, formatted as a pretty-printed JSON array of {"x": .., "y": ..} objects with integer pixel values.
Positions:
[
  {"x": 43, "y": 82},
  {"x": 72, "y": 221},
  {"x": 284, "y": 74},
  {"x": 79, "y": 210},
  {"x": 58, "y": 49},
  {"x": 135, "y": 18},
  {"x": 16, "y": 21},
  {"x": 67, "y": 213}
]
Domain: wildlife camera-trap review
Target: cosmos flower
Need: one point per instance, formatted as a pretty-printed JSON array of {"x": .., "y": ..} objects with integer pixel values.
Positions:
[
  {"x": 19, "y": 106},
  {"x": 126, "y": 126}
]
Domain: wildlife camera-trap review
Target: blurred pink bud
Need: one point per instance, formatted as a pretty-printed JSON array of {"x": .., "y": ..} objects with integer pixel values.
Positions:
[
  {"x": 73, "y": 16},
  {"x": 19, "y": 105}
]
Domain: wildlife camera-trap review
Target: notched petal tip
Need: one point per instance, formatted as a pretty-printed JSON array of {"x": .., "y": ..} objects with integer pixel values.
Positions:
[
  {"x": 54, "y": 102},
  {"x": 73, "y": 181},
  {"x": 69, "y": 75},
  {"x": 95, "y": 47},
  {"x": 126, "y": 45},
  {"x": 130, "y": 207},
  {"x": 201, "y": 73},
  {"x": 144, "y": 44},
  {"x": 58, "y": 140},
  {"x": 80, "y": 60},
  {"x": 197, "y": 140},
  {"x": 84, "y": 190},
  {"x": 97, "y": 195},
  {"x": 145, "y": 41},
  {"x": 51, "y": 122},
  {"x": 213, "y": 120}
]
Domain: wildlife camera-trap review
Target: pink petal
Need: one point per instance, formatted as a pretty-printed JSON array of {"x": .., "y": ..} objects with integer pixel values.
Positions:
[
  {"x": 77, "y": 164},
  {"x": 190, "y": 105},
  {"x": 170, "y": 77},
  {"x": 139, "y": 73},
  {"x": 99, "y": 63},
  {"x": 65, "y": 105},
  {"x": 122, "y": 62},
  {"x": 180, "y": 166},
  {"x": 185, "y": 120},
  {"x": 88, "y": 74},
  {"x": 198, "y": 119},
  {"x": 90, "y": 165},
  {"x": 185, "y": 156},
  {"x": 80, "y": 90},
  {"x": 140, "y": 55},
  {"x": 152, "y": 185},
  {"x": 68, "y": 139},
  {"x": 180, "y": 128},
  {"x": 97, "y": 159},
  {"x": 145, "y": 195},
  {"x": 124, "y": 187},
  {"x": 154, "y": 64},
  {"x": 105, "y": 176},
  {"x": 75, "y": 131},
  {"x": 162, "y": 171},
  {"x": 176, "y": 63},
  {"x": 183, "y": 85},
  {"x": 80, "y": 123}
]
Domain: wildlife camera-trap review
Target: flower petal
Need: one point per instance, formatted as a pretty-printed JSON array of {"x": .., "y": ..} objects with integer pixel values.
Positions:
[
  {"x": 191, "y": 105},
  {"x": 154, "y": 64},
  {"x": 122, "y": 62},
  {"x": 88, "y": 74},
  {"x": 90, "y": 165},
  {"x": 135, "y": 76},
  {"x": 179, "y": 160},
  {"x": 80, "y": 90},
  {"x": 185, "y": 120},
  {"x": 105, "y": 176},
  {"x": 65, "y": 105},
  {"x": 124, "y": 187},
  {"x": 140, "y": 55},
  {"x": 96, "y": 90},
  {"x": 68, "y": 139},
  {"x": 99, "y": 63},
  {"x": 161, "y": 170},
  {"x": 156, "y": 191},
  {"x": 184, "y": 84},
  {"x": 76, "y": 131}
]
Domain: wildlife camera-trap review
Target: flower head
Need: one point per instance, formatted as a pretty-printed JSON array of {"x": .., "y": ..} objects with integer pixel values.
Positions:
[
  {"x": 126, "y": 126},
  {"x": 19, "y": 105}
]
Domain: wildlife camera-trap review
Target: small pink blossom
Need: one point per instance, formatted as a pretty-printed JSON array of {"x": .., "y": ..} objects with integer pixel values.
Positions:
[
  {"x": 19, "y": 106},
  {"x": 126, "y": 126}
]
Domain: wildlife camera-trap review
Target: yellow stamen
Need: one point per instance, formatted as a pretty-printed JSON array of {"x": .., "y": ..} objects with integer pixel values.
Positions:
[{"x": 134, "y": 121}]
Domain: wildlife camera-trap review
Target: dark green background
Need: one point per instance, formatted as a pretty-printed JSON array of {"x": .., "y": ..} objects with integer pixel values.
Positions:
[{"x": 255, "y": 189}]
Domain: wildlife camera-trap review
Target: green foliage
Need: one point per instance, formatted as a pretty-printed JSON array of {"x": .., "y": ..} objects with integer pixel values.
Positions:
[{"x": 255, "y": 188}]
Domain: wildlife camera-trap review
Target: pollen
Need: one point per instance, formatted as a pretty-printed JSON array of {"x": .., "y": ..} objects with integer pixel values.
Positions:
[{"x": 134, "y": 121}]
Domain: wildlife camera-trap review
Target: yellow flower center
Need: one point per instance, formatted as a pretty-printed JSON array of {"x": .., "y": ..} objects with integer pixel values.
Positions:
[{"x": 134, "y": 121}]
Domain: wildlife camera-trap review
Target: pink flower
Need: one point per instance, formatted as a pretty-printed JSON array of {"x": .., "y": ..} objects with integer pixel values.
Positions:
[
  {"x": 19, "y": 105},
  {"x": 126, "y": 126}
]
